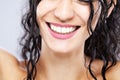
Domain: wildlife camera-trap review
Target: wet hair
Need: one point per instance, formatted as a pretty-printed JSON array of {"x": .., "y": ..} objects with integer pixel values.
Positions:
[{"x": 102, "y": 44}]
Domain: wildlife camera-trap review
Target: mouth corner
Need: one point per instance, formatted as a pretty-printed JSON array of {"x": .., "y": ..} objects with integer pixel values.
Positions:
[{"x": 48, "y": 24}]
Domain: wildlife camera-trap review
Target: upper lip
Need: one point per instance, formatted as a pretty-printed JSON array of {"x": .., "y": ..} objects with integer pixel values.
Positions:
[{"x": 62, "y": 25}]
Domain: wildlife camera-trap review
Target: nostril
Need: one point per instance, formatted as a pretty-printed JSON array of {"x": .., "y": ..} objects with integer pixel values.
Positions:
[{"x": 64, "y": 13}]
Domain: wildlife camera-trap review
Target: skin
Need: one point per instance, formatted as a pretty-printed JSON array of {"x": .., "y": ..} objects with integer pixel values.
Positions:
[
  {"x": 10, "y": 68},
  {"x": 60, "y": 62}
]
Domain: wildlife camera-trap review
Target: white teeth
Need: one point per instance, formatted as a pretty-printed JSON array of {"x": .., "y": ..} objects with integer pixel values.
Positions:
[{"x": 62, "y": 30}]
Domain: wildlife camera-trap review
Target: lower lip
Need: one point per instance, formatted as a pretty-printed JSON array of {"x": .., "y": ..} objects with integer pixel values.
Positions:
[{"x": 61, "y": 36}]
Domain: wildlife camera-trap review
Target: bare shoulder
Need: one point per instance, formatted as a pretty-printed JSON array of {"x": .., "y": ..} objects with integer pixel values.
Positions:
[
  {"x": 7, "y": 59},
  {"x": 4, "y": 55},
  {"x": 114, "y": 72},
  {"x": 9, "y": 64}
]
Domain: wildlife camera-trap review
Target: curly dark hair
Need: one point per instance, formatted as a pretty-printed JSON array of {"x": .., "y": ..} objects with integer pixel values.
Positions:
[{"x": 102, "y": 44}]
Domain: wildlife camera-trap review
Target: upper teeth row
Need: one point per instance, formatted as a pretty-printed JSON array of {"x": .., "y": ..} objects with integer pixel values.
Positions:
[{"x": 62, "y": 30}]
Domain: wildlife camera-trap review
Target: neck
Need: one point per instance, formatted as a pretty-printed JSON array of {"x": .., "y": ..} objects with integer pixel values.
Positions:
[{"x": 61, "y": 67}]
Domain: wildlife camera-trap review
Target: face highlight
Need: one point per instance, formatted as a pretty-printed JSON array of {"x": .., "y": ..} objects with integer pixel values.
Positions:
[{"x": 63, "y": 23}]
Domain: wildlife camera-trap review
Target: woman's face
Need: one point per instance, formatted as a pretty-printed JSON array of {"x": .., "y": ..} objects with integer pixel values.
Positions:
[{"x": 63, "y": 24}]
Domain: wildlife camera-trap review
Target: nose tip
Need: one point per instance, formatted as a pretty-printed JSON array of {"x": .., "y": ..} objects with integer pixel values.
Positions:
[{"x": 64, "y": 12}]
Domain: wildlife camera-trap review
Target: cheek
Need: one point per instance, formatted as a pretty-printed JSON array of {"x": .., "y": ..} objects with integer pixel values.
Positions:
[
  {"x": 83, "y": 13},
  {"x": 44, "y": 7}
]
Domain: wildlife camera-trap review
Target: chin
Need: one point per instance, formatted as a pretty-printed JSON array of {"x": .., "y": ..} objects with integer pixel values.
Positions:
[{"x": 62, "y": 50}]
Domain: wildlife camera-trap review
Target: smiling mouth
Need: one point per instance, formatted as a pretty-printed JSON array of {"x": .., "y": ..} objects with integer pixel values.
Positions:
[{"x": 62, "y": 29}]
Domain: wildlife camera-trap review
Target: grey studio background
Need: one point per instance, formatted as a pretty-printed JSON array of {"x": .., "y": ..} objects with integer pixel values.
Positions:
[{"x": 10, "y": 25}]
